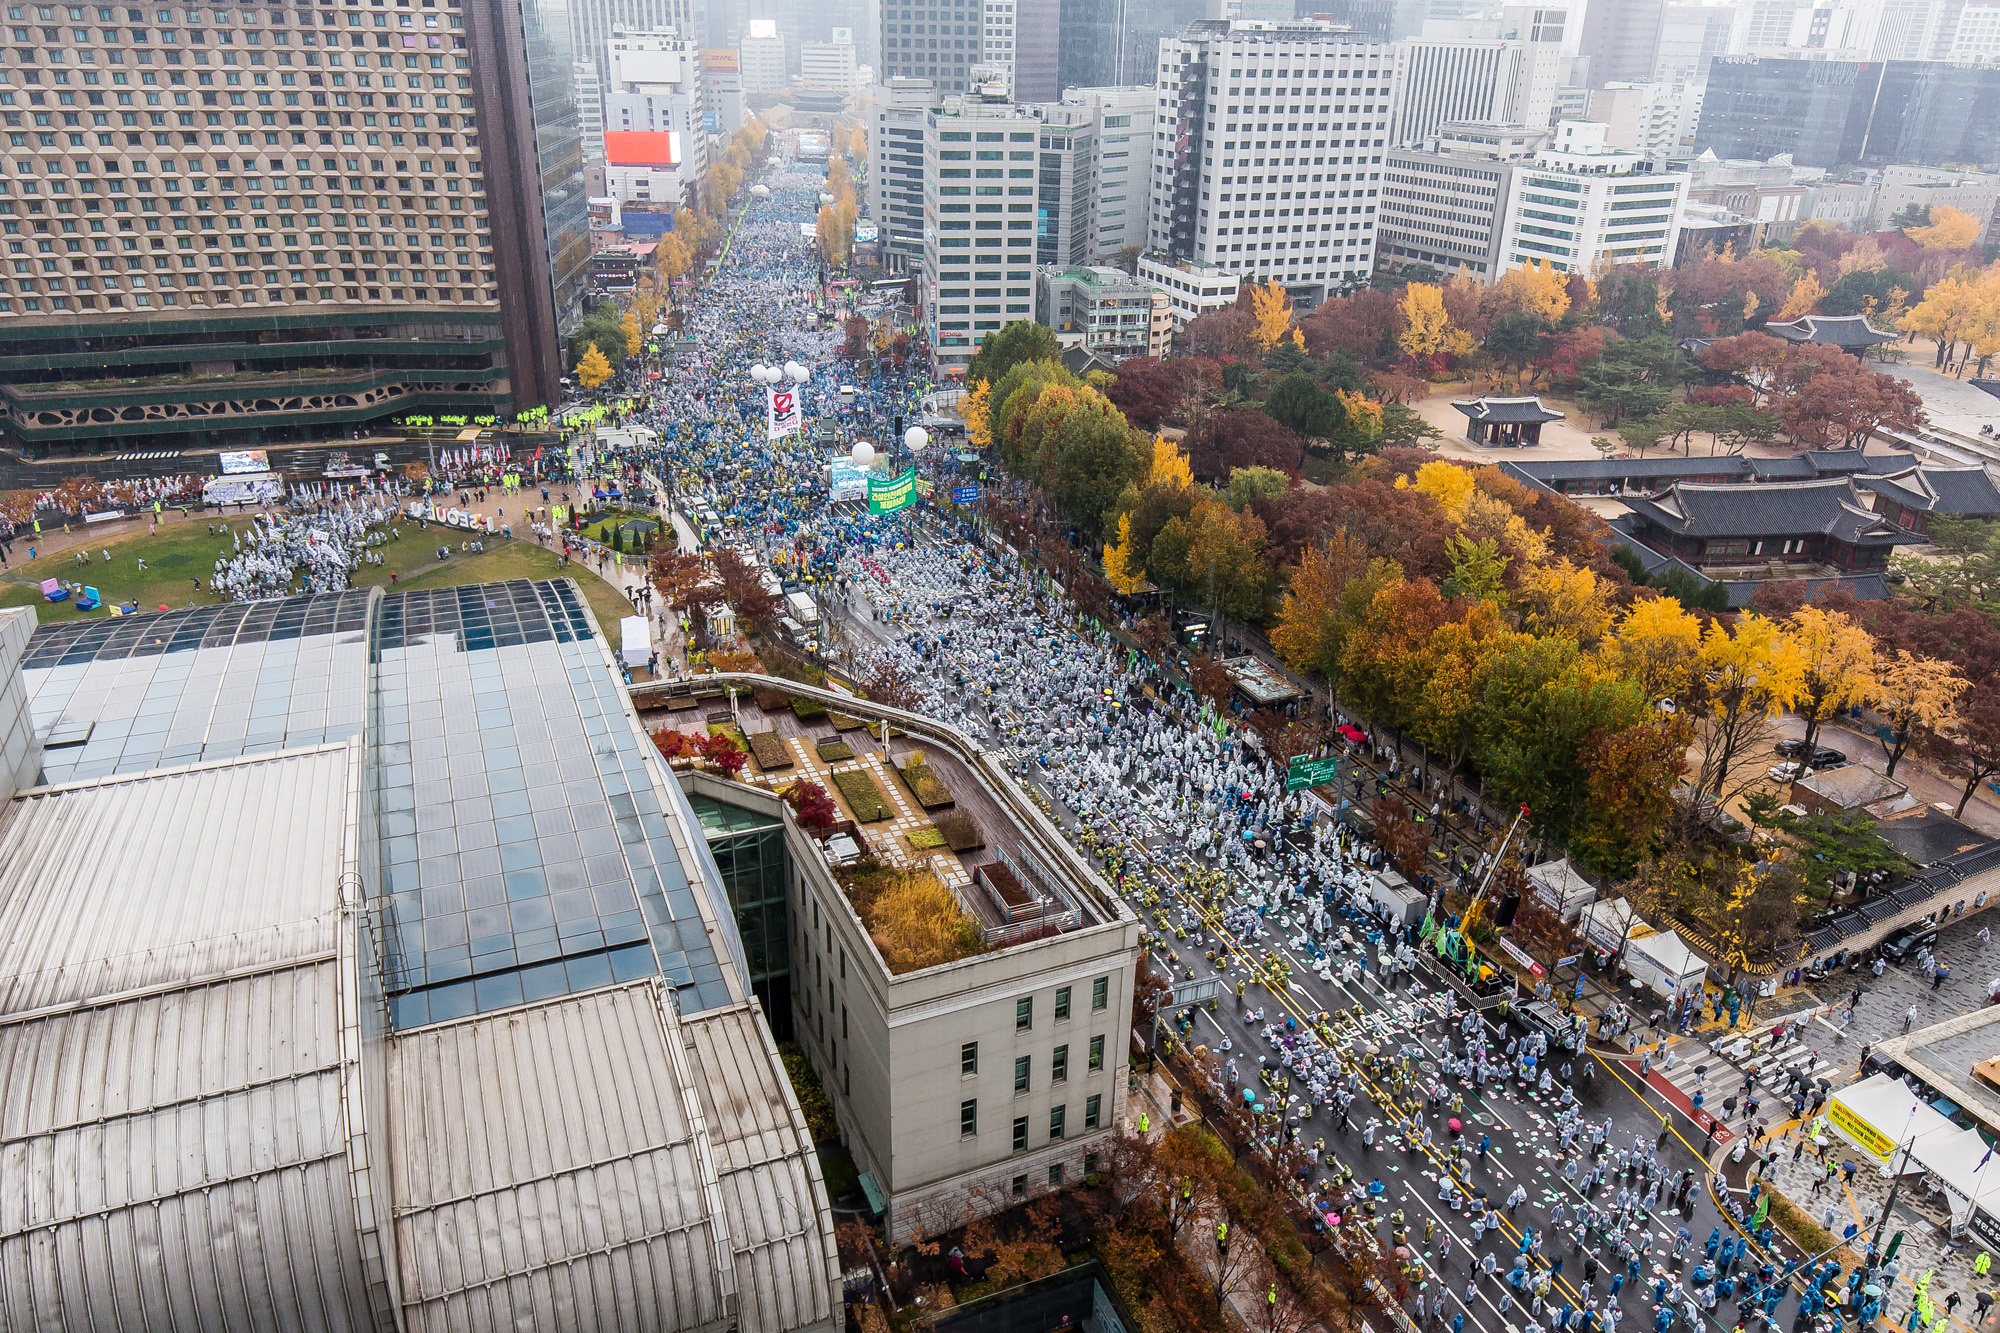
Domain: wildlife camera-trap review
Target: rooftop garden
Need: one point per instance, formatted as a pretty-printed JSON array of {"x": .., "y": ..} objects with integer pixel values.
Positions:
[{"x": 915, "y": 921}]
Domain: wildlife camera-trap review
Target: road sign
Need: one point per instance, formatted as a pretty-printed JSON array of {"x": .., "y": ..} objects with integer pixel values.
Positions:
[
  {"x": 1199, "y": 991},
  {"x": 964, "y": 495},
  {"x": 1312, "y": 773},
  {"x": 1570, "y": 961}
]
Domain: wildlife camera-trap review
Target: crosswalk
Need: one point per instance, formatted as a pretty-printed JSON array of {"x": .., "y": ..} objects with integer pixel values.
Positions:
[
  {"x": 147, "y": 455},
  {"x": 1686, "y": 1066}
]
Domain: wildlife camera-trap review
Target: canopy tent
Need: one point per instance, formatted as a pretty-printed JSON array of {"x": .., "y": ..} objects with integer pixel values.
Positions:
[
  {"x": 1880, "y": 1115},
  {"x": 1664, "y": 962},
  {"x": 1959, "y": 1161},
  {"x": 635, "y": 641}
]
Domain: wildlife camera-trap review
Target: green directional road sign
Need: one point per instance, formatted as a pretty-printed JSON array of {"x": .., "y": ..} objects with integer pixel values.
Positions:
[{"x": 1311, "y": 773}]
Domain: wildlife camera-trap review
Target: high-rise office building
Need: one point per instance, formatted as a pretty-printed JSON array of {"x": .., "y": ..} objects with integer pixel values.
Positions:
[
  {"x": 589, "y": 110},
  {"x": 1268, "y": 152},
  {"x": 1621, "y": 40},
  {"x": 1690, "y": 37},
  {"x": 1437, "y": 82},
  {"x": 1444, "y": 203},
  {"x": 896, "y": 180},
  {"x": 1832, "y": 113},
  {"x": 654, "y": 114},
  {"x": 1037, "y": 40},
  {"x": 828, "y": 66},
  {"x": 1655, "y": 120},
  {"x": 943, "y": 40},
  {"x": 315, "y": 221},
  {"x": 1092, "y": 194},
  {"x": 979, "y": 221},
  {"x": 1579, "y": 203},
  {"x": 592, "y": 24},
  {"x": 765, "y": 67},
  {"x": 1105, "y": 43}
]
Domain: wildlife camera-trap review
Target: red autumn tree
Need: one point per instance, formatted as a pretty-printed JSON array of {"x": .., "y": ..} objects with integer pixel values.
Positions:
[{"x": 813, "y": 808}]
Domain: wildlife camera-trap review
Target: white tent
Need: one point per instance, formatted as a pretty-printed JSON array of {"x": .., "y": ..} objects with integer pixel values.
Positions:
[
  {"x": 635, "y": 637},
  {"x": 1880, "y": 1115},
  {"x": 1664, "y": 962},
  {"x": 1608, "y": 921},
  {"x": 1960, "y": 1161}
]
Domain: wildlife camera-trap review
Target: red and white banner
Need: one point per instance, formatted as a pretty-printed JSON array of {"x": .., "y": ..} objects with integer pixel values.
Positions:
[{"x": 783, "y": 413}]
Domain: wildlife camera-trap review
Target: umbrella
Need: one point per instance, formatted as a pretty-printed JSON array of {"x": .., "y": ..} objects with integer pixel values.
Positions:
[
  {"x": 1453, "y": 1125},
  {"x": 1872, "y": 1289}
]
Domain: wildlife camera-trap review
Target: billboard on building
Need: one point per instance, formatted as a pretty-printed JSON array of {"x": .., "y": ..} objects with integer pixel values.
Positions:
[
  {"x": 642, "y": 148},
  {"x": 721, "y": 60}
]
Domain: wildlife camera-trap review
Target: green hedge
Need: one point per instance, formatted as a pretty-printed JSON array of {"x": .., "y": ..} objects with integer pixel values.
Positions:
[
  {"x": 807, "y": 710},
  {"x": 925, "y": 784},
  {"x": 834, "y": 752}
]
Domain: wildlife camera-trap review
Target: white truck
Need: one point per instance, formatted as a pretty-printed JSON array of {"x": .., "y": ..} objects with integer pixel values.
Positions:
[{"x": 802, "y": 608}]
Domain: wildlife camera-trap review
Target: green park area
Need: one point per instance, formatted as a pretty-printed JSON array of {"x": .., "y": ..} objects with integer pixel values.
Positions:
[{"x": 181, "y": 553}]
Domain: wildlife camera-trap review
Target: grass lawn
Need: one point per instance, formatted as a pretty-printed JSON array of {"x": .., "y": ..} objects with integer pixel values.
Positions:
[{"x": 187, "y": 550}]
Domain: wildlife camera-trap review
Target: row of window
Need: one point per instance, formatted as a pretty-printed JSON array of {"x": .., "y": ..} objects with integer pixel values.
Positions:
[
  {"x": 1093, "y": 1118},
  {"x": 968, "y": 1062}
]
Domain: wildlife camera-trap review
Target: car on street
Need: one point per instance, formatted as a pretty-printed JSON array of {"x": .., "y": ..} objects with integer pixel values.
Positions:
[
  {"x": 1906, "y": 942},
  {"x": 1542, "y": 1016},
  {"x": 1821, "y": 756}
]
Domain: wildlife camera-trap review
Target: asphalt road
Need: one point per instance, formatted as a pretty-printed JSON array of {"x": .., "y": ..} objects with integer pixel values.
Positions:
[{"x": 1521, "y": 1124}]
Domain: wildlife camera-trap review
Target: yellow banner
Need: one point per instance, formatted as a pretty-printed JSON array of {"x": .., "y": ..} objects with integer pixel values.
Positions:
[{"x": 1860, "y": 1131}]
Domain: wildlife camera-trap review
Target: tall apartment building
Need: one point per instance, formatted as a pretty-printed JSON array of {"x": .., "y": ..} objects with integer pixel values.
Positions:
[
  {"x": 1579, "y": 203},
  {"x": 980, "y": 169},
  {"x": 1267, "y": 155},
  {"x": 1444, "y": 202},
  {"x": 964, "y": 1087},
  {"x": 1436, "y": 82},
  {"x": 1976, "y": 38},
  {"x": 1621, "y": 40},
  {"x": 896, "y": 175},
  {"x": 657, "y": 152},
  {"x": 766, "y": 66},
  {"x": 279, "y": 221}
]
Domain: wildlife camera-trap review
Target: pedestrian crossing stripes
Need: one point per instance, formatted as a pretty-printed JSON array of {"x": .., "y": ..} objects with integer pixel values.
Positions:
[
  {"x": 1688, "y": 1066},
  {"x": 147, "y": 455}
]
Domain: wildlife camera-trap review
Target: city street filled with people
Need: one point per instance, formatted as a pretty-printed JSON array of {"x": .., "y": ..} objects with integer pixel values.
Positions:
[{"x": 1520, "y": 1176}]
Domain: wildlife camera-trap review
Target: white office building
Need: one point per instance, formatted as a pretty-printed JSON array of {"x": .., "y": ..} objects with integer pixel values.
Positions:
[
  {"x": 656, "y": 149},
  {"x": 1655, "y": 120},
  {"x": 1116, "y": 124},
  {"x": 1579, "y": 203},
  {"x": 1267, "y": 152},
  {"x": 590, "y": 110},
  {"x": 828, "y": 66},
  {"x": 896, "y": 177},
  {"x": 1976, "y": 39},
  {"x": 764, "y": 66},
  {"x": 979, "y": 221},
  {"x": 594, "y": 22},
  {"x": 1192, "y": 289},
  {"x": 1437, "y": 82},
  {"x": 1444, "y": 202}
]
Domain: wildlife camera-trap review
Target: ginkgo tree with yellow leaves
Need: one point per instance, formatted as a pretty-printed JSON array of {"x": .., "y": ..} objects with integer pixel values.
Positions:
[
  {"x": 1428, "y": 335},
  {"x": 1271, "y": 306}
]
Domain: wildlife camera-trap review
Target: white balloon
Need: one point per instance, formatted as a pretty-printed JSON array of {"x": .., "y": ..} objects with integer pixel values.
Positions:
[
  {"x": 915, "y": 438},
  {"x": 757, "y": 372},
  {"x": 795, "y": 372},
  {"x": 863, "y": 453},
  {"x": 826, "y": 198}
]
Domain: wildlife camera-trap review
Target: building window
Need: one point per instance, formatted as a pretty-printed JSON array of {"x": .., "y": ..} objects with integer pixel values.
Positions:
[
  {"x": 1062, "y": 1004},
  {"x": 1020, "y": 1133},
  {"x": 1020, "y": 1073},
  {"x": 1024, "y": 1013},
  {"x": 1100, "y": 993},
  {"x": 1090, "y": 1164},
  {"x": 1020, "y": 1187},
  {"x": 1096, "y": 1053},
  {"x": 968, "y": 1118},
  {"x": 1055, "y": 1175},
  {"x": 1093, "y": 1105},
  {"x": 968, "y": 1058},
  {"x": 1059, "y": 1066},
  {"x": 1057, "y": 1114}
]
